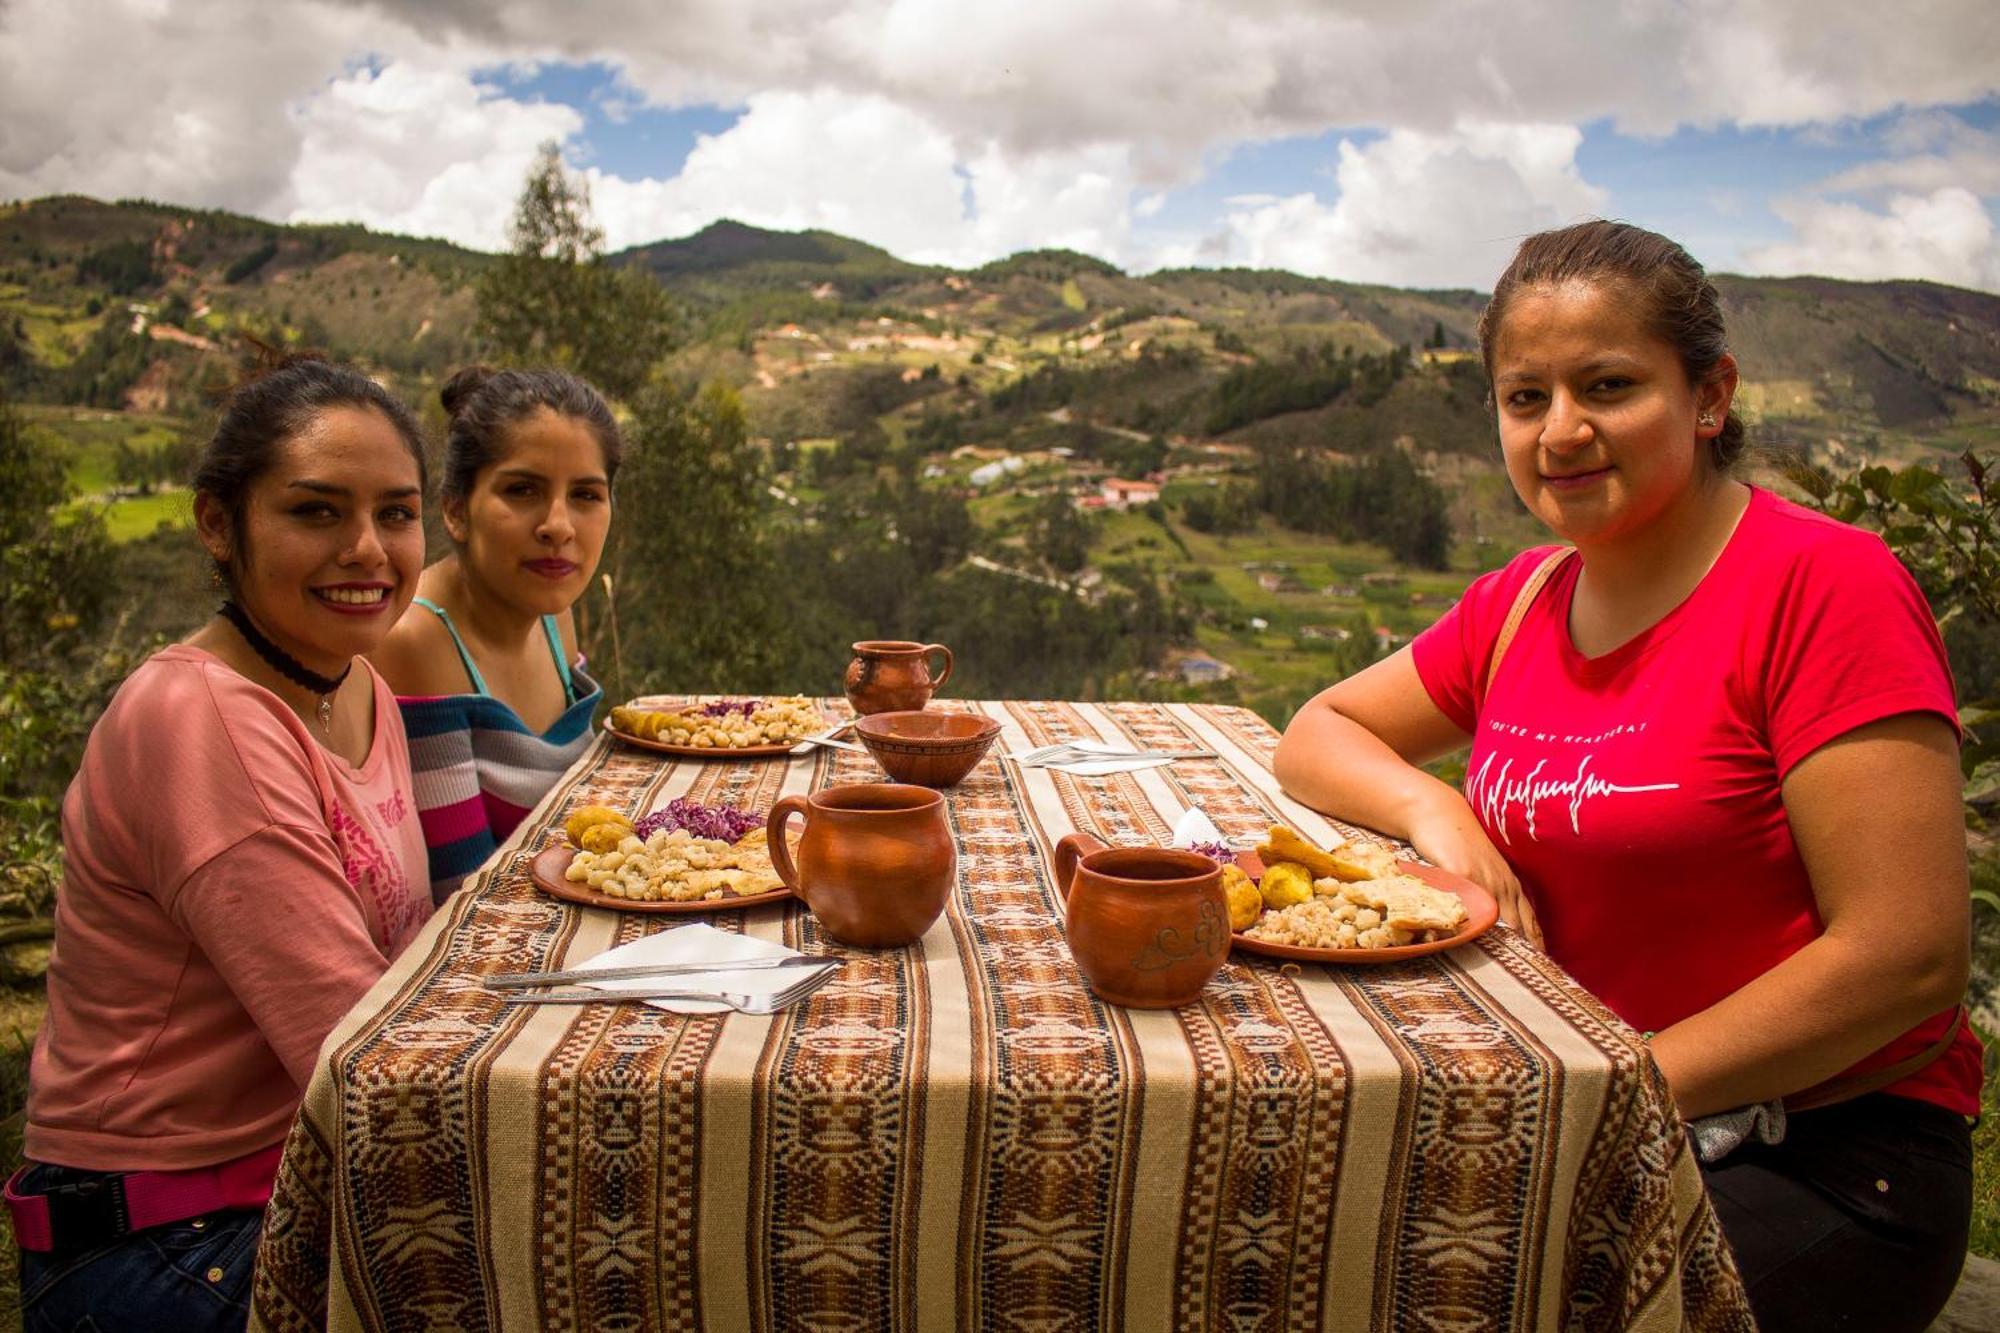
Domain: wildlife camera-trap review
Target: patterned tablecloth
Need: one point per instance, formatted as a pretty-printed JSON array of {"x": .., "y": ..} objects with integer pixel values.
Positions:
[{"x": 958, "y": 1135}]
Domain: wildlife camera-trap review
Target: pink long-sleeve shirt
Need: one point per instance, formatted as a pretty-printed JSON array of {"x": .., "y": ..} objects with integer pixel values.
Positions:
[{"x": 231, "y": 889}]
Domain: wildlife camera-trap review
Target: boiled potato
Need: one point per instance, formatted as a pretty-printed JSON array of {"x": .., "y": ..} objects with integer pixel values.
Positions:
[
  {"x": 605, "y": 837},
  {"x": 1246, "y": 904},
  {"x": 1285, "y": 884},
  {"x": 588, "y": 817}
]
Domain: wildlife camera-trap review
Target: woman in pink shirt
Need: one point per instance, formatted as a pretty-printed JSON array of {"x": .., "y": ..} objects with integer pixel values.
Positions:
[
  {"x": 1714, "y": 771},
  {"x": 243, "y": 860}
]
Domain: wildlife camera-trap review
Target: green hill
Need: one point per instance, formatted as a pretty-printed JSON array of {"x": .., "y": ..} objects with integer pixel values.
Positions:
[{"x": 132, "y": 304}]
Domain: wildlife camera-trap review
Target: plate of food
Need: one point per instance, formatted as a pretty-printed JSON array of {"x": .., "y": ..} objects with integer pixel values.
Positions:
[
  {"x": 1352, "y": 903},
  {"x": 719, "y": 728},
  {"x": 685, "y": 857}
]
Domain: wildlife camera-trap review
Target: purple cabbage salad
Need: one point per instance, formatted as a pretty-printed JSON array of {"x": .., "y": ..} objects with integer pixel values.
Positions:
[
  {"x": 704, "y": 821},
  {"x": 1214, "y": 851},
  {"x": 724, "y": 707}
]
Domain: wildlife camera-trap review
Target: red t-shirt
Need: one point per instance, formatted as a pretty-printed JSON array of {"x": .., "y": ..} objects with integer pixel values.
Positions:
[{"x": 1637, "y": 794}]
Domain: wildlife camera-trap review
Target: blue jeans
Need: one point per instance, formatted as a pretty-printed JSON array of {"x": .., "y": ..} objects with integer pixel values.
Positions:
[{"x": 184, "y": 1277}]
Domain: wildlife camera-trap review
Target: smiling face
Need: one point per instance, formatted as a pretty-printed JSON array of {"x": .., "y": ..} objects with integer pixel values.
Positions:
[
  {"x": 532, "y": 528},
  {"x": 327, "y": 549},
  {"x": 1602, "y": 432}
]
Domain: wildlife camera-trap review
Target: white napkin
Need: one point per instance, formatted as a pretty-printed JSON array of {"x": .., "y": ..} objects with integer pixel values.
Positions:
[
  {"x": 1194, "y": 826},
  {"x": 698, "y": 943}
]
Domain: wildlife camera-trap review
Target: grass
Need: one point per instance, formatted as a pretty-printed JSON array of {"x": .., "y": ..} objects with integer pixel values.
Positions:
[
  {"x": 132, "y": 517},
  {"x": 91, "y": 436},
  {"x": 1986, "y": 1161},
  {"x": 20, "y": 1014},
  {"x": 89, "y": 439}
]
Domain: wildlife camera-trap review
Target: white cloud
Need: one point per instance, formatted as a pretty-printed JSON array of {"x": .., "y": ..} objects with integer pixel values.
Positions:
[
  {"x": 863, "y": 167},
  {"x": 954, "y": 133},
  {"x": 1946, "y": 236},
  {"x": 1943, "y": 152},
  {"x": 1419, "y": 209},
  {"x": 1793, "y": 62},
  {"x": 1170, "y": 77},
  {"x": 870, "y": 169},
  {"x": 1075, "y": 199},
  {"x": 418, "y": 149},
  {"x": 184, "y": 102}
]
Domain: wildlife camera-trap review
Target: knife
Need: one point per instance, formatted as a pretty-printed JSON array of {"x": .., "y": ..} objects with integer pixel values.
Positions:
[
  {"x": 1098, "y": 768},
  {"x": 508, "y": 980}
]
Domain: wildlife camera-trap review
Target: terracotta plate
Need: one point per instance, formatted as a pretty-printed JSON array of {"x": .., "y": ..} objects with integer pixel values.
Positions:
[
  {"x": 1481, "y": 911},
  {"x": 704, "y": 751},
  {"x": 550, "y": 863}
]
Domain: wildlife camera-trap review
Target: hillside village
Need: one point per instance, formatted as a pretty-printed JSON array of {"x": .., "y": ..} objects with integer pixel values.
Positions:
[{"x": 1184, "y": 421}]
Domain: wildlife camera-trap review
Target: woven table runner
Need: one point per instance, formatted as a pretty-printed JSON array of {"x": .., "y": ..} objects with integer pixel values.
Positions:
[{"x": 959, "y": 1135}]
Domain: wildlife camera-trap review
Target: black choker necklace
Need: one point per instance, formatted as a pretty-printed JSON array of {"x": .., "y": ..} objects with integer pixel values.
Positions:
[{"x": 286, "y": 665}]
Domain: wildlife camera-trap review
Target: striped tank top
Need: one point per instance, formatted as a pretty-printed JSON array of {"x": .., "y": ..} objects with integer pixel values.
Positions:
[{"x": 477, "y": 768}]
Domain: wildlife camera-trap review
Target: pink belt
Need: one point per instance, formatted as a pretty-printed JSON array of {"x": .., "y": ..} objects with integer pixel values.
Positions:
[{"x": 91, "y": 1212}]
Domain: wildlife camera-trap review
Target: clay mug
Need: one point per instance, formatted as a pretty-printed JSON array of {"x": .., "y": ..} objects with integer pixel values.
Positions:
[
  {"x": 894, "y": 675},
  {"x": 875, "y": 864},
  {"x": 1148, "y": 926}
]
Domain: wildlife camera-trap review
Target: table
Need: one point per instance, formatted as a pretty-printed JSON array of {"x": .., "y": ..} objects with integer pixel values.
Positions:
[{"x": 958, "y": 1135}]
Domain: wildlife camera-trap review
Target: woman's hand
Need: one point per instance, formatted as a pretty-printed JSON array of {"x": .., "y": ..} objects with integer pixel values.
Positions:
[
  {"x": 1449, "y": 836},
  {"x": 1352, "y": 752}
]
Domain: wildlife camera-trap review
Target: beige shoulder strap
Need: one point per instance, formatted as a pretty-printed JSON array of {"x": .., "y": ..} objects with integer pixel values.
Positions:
[
  {"x": 1522, "y": 601},
  {"x": 1846, "y": 1087}
]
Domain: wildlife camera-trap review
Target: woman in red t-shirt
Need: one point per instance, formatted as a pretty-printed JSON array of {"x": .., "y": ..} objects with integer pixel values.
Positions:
[{"x": 1714, "y": 771}]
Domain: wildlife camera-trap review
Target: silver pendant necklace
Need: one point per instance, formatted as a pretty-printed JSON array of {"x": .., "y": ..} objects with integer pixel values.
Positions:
[{"x": 288, "y": 666}]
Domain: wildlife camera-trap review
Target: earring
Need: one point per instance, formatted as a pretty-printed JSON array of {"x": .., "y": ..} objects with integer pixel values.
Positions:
[{"x": 1705, "y": 419}]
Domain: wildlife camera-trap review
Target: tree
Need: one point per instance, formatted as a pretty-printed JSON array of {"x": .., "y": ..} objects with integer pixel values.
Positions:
[
  {"x": 553, "y": 300},
  {"x": 54, "y": 566},
  {"x": 695, "y": 592},
  {"x": 1947, "y": 535},
  {"x": 1062, "y": 534},
  {"x": 16, "y": 364},
  {"x": 56, "y": 581}
]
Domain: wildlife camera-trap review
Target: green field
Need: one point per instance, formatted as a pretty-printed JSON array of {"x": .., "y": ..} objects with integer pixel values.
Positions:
[
  {"x": 129, "y": 518},
  {"x": 89, "y": 440}
]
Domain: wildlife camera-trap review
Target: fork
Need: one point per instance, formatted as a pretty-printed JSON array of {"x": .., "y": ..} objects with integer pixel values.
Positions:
[
  {"x": 736, "y": 1000},
  {"x": 826, "y": 738}
]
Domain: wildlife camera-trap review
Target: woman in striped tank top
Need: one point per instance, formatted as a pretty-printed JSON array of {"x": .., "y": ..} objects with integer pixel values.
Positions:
[{"x": 484, "y": 663}]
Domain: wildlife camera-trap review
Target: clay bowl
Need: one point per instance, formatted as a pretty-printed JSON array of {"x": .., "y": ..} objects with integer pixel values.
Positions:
[{"x": 929, "y": 749}]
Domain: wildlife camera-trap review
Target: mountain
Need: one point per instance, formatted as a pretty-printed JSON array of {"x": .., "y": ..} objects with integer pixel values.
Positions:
[
  {"x": 726, "y": 257},
  {"x": 134, "y": 303}
]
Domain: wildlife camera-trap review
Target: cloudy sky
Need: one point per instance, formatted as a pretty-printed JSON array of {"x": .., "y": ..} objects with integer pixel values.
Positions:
[{"x": 1411, "y": 142}]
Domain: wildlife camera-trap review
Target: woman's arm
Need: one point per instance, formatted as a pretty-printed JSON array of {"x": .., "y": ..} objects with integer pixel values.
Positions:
[
  {"x": 1352, "y": 751},
  {"x": 277, "y": 919},
  {"x": 1877, "y": 818}
]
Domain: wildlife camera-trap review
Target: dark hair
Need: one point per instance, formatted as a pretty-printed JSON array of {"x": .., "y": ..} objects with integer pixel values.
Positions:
[
  {"x": 1675, "y": 298},
  {"x": 278, "y": 397},
  {"x": 482, "y": 403}
]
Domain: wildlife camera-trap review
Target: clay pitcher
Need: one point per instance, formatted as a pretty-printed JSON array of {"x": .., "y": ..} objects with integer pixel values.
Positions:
[
  {"x": 875, "y": 864},
  {"x": 1148, "y": 926},
  {"x": 893, "y": 675}
]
